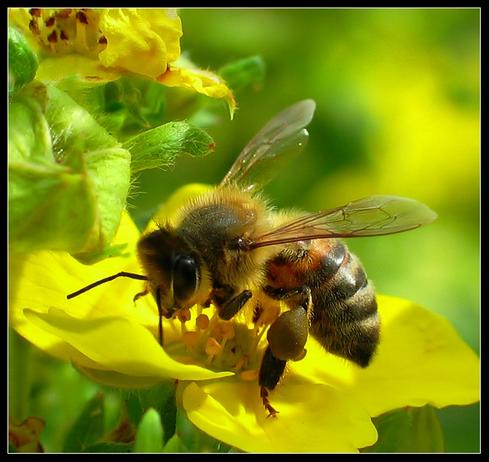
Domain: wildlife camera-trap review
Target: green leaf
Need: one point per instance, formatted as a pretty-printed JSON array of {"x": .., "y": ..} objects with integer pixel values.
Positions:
[
  {"x": 51, "y": 200},
  {"x": 161, "y": 398},
  {"x": 109, "y": 447},
  {"x": 28, "y": 131},
  {"x": 426, "y": 434},
  {"x": 160, "y": 146},
  {"x": 19, "y": 375},
  {"x": 149, "y": 436},
  {"x": 73, "y": 129},
  {"x": 244, "y": 73},
  {"x": 408, "y": 430},
  {"x": 88, "y": 427},
  {"x": 175, "y": 444},
  {"x": 22, "y": 62},
  {"x": 68, "y": 178}
]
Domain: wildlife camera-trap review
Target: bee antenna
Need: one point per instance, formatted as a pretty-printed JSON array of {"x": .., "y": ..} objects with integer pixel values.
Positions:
[{"x": 107, "y": 279}]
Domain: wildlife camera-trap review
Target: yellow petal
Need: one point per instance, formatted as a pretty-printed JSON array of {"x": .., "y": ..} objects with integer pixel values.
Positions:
[
  {"x": 312, "y": 418},
  {"x": 63, "y": 66},
  {"x": 139, "y": 40},
  {"x": 420, "y": 360},
  {"x": 118, "y": 380},
  {"x": 117, "y": 344},
  {"x": 42, "y": 280},
  {"x": 201, "y": 81}
]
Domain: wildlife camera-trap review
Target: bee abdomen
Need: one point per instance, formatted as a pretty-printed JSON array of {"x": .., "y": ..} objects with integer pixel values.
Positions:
[{"x": 345, "y": 319}]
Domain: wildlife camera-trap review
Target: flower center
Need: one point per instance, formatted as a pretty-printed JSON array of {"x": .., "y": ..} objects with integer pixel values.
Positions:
[
  {"x": 67, "y": 30},
  {"x": 235, "y": 345}
]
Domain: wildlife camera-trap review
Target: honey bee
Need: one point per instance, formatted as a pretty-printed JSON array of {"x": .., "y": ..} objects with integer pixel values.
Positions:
[{"x": 230, "y": 248}]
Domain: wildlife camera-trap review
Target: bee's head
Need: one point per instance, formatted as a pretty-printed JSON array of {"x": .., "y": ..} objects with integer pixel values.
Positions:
[{"x": 172, "y": 268}]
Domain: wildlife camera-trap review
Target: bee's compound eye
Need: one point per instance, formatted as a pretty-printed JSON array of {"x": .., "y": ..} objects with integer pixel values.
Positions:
[{"x": 185, "y": 277}]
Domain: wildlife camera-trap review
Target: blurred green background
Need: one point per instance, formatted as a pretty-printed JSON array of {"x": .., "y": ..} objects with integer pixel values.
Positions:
[{"x": 397, "y": 93}]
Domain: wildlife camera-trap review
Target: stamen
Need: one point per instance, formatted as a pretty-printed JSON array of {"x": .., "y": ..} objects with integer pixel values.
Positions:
[
  {"x": 63, "y": 35},
  {"x": 52, "y": 39},
  {"x": 212, "y": 348},
  {"x": 184, "y": 316},
  {"x": 202, "y": 321},
  {"x": 191, "y": 339},
  {"x": 33, "y": 26},
  {"x": 50, "y": 21},
  {"x": 249, "y": 376},
  {"x": 81, "y": 33},
  {"x": 224, "y": 330},
  {"x": 242, "y": 362},
  {"x": 82, "y": 17},
  {"x": 64, "y": 13},
  {"x": 36, "y": 12}
]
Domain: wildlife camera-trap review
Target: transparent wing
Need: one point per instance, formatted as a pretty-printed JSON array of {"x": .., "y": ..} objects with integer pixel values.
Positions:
[
  {"x": 277, "y": 142},
  {"x": 371, "y": 216}
]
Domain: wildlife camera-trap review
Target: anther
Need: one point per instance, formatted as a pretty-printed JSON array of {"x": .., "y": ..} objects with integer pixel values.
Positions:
[
  {"x": 102, "y": 40},
  {"x": 36, "y": 12},
  {"x": 190, "y": 339},
  {"x": 64, "y": 13},
  {"x": 82, "y": 17},
  {"x": 63, "y": 35},
  {"x": 53, "y": 37},
  {"x": 224, "y": 330},
  {"x": 33, "y": 26},
  {"x": 202, "y": 321},
  {"x": 184, "y": 315},
  {"x": 50, "y": 21}
]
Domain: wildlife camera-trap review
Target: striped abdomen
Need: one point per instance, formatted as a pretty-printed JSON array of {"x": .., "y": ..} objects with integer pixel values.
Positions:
[{"x": 344, "y": 316}]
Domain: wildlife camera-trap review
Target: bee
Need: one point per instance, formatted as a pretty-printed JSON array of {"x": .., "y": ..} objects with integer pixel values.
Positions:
[{"x": 230, "y": 248}]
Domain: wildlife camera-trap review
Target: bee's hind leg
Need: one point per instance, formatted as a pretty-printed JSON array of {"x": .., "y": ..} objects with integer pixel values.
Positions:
[
  {"x": 271, "y": 370},
  {"x": 286, "y": 337}
]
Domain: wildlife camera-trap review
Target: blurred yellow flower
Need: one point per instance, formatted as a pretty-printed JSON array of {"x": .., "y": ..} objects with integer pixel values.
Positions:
[
  {"x": 325, "y": 403},
  {"x": 100, "y": 45}
]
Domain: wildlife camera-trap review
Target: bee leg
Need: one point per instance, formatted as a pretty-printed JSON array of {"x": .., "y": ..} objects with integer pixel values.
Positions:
[
  {"x": 293, "y": 297},
  {"x": 232, "y": 306},
  {"x": 271, "y": 370},
  {"x": 286, "y": 337},
  {"x": 272, "y": 412},
  {"x": 160, "y": 316},
  {"x": 140, "y": 294}
]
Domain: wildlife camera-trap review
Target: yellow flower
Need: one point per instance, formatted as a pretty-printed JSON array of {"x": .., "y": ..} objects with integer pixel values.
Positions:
[
  {"x": 325, "y": 403},
  {"x": 100, "y": 45}
]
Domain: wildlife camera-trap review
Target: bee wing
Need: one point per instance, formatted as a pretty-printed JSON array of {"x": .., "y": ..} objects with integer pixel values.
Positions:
[
  {"x": 278, "y": 141},
  {"x": 370, "y": 216}
]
